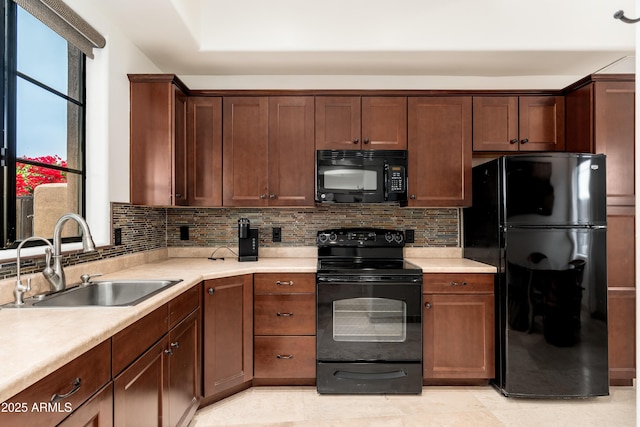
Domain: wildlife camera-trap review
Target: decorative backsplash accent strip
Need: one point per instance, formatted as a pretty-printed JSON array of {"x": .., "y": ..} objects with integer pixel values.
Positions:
[{"x": 146, "y": 228}]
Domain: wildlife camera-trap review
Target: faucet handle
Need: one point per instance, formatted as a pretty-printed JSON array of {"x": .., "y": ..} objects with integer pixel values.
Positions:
[
  {"x": 20, "y": 290},
  {"x": 87, "y": 277}
]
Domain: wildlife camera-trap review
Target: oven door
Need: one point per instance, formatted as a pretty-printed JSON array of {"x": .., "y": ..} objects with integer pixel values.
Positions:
[{"x": 369, "y": 321}]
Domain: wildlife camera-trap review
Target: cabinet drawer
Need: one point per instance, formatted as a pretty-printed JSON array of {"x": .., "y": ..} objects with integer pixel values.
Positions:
[
  {"x": 284, "y": 283},
  {"x": 285, "y": 357},
  {"x": 132, "y": 341},
  {"x": 284, "y": 314},
  {"x": 458, "y": 283},
  {"x": 182, "y": 305},
  {"x": 78, "y": 380}
]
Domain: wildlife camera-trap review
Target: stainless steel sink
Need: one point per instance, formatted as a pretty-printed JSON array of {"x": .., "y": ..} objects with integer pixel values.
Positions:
[{"x": 114, "y": 293}]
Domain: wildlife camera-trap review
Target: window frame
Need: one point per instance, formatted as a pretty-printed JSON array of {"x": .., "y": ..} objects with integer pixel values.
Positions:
[{"x": 8, "y": 154}]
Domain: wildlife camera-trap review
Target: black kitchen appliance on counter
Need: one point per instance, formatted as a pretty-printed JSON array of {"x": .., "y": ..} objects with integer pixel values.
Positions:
[
  {"x": 247, "y": 241},
  {"x": 541, "y": 220},
  {"x": 369, "y": 314}
]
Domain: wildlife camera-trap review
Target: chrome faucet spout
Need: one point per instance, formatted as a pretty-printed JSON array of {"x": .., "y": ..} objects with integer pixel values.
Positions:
[
  {"x": 19, "y": 290},
  {"x": 56, "y": 276}
]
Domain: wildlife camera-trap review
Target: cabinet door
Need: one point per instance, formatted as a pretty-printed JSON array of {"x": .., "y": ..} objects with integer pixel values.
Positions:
[
  {"x": 184, "y": 370},
  {"x": 291, "y": 151},
  {"x": 458, "y": 336},
  {"x": 384, "y": 123},
  {"x": 541, "y": 123},
  {"x": 245, "y": 140},
  {"x": 615, "y": 136},
  {"x": 495, "y": 123},
  {"x": 157, "y": 143},
  {"x": 227, "y": 333},
  {"x": 205, "y": 151},
  {"x": 96, "y": 412},
  {"x": 179, "y": 147},
  {"x": 337, "y": 122},
  {"x": 139, "y": 397},
  {"x": 622, "y": 337},
  {"x": 440, "y": 151}
]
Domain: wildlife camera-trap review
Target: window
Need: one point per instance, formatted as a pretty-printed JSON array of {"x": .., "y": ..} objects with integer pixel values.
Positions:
[{"x": 44, "y": 109}]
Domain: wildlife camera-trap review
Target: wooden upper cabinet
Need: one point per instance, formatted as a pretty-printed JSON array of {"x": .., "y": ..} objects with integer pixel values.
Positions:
[
  {"x": 518, "y": 123},
  {"x": 291, "y": 151},
  {"x": 245, "y": 151},
  {"x": 204, "y": 136},
  {"x": 439, "y": 151},
  {"x": 337, "y": 122},
  {"x": 268, "y": 151},
  {"x": 158, "y": 140},
  {"x": 601, "y": 119},
  {"x": 354, "y": 123}
]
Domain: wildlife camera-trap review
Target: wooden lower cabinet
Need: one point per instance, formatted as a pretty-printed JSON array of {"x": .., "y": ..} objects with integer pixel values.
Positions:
[
  {"x": 280, "y": 357},
  {"x": 227, "y": 333},
  {"x": 162, "y": 386},
  {"x": 622, "y": 339},
  {"x": 61, "y": 393},
  {"x": 96, "y": 412},
  {"x": 458, "y": 327},
  {"x": 285, "y": 329}
]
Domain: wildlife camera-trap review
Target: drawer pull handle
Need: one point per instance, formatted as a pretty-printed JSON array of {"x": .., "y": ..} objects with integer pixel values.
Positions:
[
  {"x": 458, "y": 283},
  {"x": 284, "y": 314},
  {"x": 76, "y": 386},
  {"x": 279, "y": 283},
  {"x": 284, "y": 356}
]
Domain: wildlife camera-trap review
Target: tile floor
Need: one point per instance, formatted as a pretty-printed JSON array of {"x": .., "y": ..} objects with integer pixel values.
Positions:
[{"x": 437, "y": 406}]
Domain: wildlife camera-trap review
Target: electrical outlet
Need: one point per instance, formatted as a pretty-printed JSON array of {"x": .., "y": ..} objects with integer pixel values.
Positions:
[
  {"x": 184, "y": 232},
  {"x": 117, "y": 236},
  {"x": 409, "y": 236},
  {"x": 276, "y": 234}
]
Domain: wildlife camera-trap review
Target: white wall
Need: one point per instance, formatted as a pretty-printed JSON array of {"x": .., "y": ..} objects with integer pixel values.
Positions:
[{"x": 108, "y": 117}]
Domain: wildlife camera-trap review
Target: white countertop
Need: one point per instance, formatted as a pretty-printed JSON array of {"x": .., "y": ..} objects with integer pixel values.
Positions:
[{"x": 38, "y": 341}]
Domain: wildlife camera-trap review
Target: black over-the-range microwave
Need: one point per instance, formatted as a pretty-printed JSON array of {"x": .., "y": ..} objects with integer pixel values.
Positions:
[{"x": 361, "y": 176}]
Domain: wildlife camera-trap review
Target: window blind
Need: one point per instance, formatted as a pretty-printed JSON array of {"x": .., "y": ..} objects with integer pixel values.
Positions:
[{"x": 63, "y": 20}]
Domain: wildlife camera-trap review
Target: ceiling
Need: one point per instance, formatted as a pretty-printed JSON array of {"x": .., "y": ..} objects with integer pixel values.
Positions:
[{"x": 420, "y": 38}]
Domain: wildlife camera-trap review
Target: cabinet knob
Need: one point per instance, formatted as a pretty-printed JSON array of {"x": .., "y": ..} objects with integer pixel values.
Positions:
[
  {"x": 412, "y": 197},
  {"x": 366, "y": 140},
  {"x": 355, "y": 141},
  {"x": 175, "y": 344},
  {"x": 168, "y": 352},
  {"x": 524, "y": 141},
  {"x": 273, "y": 196},
  {"x": 263, "y": 196},
  {"x": 427, "y": 305},
  {"x": 178, "y": 196},
  {"x": 211, "y": 291},
  {"x": 514, "y": 141}
]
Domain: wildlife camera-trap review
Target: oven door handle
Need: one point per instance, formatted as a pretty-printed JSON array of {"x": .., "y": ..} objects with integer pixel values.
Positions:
[{"x": 347, "y": 375}]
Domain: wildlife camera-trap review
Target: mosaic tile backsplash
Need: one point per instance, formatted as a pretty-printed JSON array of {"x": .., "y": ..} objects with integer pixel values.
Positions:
[
  {"x": 215, "y": 227},
  {"x": 146, "y": 228}
]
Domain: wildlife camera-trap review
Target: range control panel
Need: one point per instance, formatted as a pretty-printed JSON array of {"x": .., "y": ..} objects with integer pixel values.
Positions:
[{"x": 350, "y": 237}]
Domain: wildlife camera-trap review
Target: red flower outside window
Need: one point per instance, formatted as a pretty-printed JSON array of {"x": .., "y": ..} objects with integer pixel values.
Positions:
[{"x": 29, "y": 176}]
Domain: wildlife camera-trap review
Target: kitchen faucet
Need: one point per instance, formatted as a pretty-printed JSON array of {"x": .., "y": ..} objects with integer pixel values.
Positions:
[
  {"x": 55, "y": 275},
  {"x": 20, "y": 289}
]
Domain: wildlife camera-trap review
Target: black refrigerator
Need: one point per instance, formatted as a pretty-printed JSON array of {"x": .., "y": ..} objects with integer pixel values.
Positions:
[{"x": 541, "y": 220}]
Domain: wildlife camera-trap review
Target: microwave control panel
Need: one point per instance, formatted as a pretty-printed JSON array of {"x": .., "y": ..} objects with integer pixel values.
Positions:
[{"x": 397, "y": 179}]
